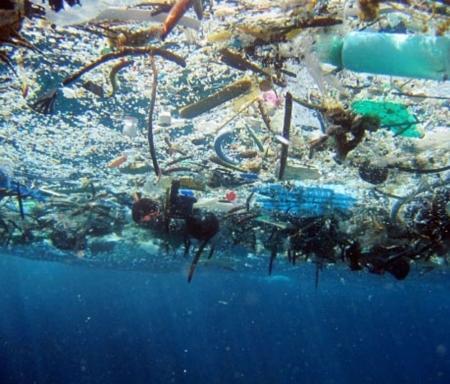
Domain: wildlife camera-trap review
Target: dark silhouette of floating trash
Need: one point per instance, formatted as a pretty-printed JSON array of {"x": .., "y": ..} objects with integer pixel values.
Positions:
[
  {"x": 46, "y": 103},
  {"x": 198, "y": 8},
  {"x": 94, "y": 88},
  {"x": 372, "y": 173},
  {"x": 285, "y": 137},
  {"x": 202, "y": 227}
]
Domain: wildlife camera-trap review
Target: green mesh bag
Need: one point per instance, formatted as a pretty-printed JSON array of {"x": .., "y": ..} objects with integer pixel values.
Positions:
[{"x": 394, "y": 116}]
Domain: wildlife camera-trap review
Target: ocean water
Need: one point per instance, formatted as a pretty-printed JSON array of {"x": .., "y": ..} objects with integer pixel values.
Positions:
[{"x": 65, "y": 324}]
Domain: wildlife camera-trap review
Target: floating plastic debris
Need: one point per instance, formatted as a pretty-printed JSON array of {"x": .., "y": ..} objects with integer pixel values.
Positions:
[
  {"x": 227, "y": 93},
  {"x": 394, "y": 116},
  {"x": 164, "y": 118},
  {"x": 302, "y": 201},
  {"x": 394, "y": 54},
  {"x": 130, "y": 126},
  {"x": 295, "y": 172},
  {"x": 118, "y": 161},
  {"x": 231, "y": 196}
]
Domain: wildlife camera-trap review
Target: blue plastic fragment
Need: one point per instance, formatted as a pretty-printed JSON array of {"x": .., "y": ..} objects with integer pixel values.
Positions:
[
  {"x": 186, "y": 192},
  {"x": 302, "y": 201},
  {"x": 249, "y": 176}
]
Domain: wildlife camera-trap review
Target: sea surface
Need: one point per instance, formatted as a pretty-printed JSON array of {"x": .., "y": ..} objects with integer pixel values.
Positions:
[{"x": 74, "y": 325}]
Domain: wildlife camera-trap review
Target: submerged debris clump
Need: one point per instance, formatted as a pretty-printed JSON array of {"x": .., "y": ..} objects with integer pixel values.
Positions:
[{"x": 274, "y": 140}]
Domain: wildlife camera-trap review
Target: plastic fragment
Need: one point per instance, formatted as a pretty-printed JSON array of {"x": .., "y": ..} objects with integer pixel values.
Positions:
[
  {"x": 394, "y": 54},
  {"x": 295, "y": 172},
  {"x": 227, "y": 93},
  {"x": 301, "y": 200},
  {"x": 394, "y": 116},
  {"x": 130, "y": 126}
]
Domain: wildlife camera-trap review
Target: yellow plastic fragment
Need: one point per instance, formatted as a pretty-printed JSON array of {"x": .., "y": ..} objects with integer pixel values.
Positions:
[
  {"x": 246, "y": 100},
  {"x": 218, "y": 36}
]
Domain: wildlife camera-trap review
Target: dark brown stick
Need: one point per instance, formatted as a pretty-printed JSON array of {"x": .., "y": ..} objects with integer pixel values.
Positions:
[
  {"x": 151, "y": 143},
  {"x": 286, "y": 128}
]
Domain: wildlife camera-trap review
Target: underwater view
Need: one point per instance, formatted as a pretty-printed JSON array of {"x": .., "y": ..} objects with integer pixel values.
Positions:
[{"x": 248, "y": 191}]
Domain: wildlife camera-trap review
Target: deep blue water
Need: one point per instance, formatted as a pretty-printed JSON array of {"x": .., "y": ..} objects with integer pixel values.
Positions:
[{"x": 66, "y": 324}]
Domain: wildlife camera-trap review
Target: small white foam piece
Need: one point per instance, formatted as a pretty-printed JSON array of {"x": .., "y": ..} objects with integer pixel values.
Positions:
[
  {"x": 130, "y": 126},
  {"x": 164, "y": 118},
  {"x": 282, "y": 140},
  {"x": 214, "y": 204},
  {"x": 69, "y": 93}
]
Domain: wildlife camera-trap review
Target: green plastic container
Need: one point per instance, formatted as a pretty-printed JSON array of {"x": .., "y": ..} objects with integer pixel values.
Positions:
[{"x": 394, "y": 54}]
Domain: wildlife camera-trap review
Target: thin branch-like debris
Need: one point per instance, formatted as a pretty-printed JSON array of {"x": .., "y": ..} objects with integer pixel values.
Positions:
[
  {"x": 113, "y": 75},
  {"x": 273, "y": 255},
  {"x": 216, "y": 160},
  {"x": 419, "y": 170},
  {"x": 151, "y": 143},
  {"x": 305, "y": 104},
  {"x": 196, "y": 259},
  {"x": 237, "y": 61},
  {"x": 286, "y": 128},
  {"x": 152, "y": 51},
  {"x": 408, "y": 94},
  {"x": 264, "y": 115},
  {"x": 5, "y": 59}
]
